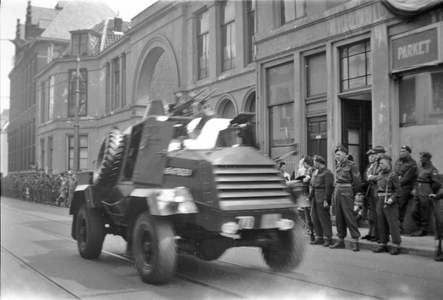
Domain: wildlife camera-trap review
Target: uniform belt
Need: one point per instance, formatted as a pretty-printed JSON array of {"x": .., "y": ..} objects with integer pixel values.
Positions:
[
  {"x": 344, "y": 185},
  {"x": 384, "y": 194}
]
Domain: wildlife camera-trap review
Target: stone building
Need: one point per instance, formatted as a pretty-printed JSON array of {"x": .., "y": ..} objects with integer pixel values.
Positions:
[
  {"x": 317, "y": 74},
  {"x": 42, "y": 38}
]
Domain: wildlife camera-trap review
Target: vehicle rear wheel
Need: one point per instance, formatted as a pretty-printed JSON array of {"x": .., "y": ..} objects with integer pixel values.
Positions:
[
  {"x": 154, "y": 248},
  {"x": 110, "y": 158},
  {"x": 288, "y": 252},
  {"x": 90, "y": 232}
]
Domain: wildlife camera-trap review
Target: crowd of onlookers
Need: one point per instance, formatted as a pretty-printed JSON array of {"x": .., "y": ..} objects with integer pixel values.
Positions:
[{"x": 41, "y": 187}]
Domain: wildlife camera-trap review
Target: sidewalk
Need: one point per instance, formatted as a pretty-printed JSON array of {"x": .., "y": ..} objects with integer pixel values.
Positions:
[{"x": 421, "y": 246}]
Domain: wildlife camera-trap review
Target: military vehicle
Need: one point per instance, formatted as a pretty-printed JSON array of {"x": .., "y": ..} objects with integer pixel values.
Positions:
[{"x": 175, "y": 184}]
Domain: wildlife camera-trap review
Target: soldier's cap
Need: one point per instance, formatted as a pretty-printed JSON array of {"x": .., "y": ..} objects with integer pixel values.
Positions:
[
  {"x": 309, "y": 161},
  {"x": 379, "y": 149},
  {"x": 320, "y": 159},
  {"x": 407, "y": 148},
  {"x": 369, "y": 152},
  {"x": 426, "y": 154},
  {"x": 341, "y": 148}
]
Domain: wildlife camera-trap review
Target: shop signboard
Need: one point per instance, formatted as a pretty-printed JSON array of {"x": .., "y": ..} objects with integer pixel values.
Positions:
[{"x": 420, "y": 47}]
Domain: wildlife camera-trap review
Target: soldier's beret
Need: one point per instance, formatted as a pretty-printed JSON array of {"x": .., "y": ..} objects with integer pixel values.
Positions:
[
  {"x": 407, "y": 148},
  {"x": 379, "y": 149},
  {"x": 309, "y": 160},
  {"x": 426, "y": 154},
  {"x": 369, "y": 152},
  {"x": 320, "y": 160},
  {"x": 342, "y": 149}
]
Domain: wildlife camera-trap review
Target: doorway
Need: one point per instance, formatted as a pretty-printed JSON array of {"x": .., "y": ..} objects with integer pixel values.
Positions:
[
  {"x": 317, "y": 137},
  {"x": 357, "y": 130}
]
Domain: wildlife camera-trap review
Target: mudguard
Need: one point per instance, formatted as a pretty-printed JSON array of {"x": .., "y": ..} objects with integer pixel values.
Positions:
[
  {"x": 164, "y": 202},
  {"x": 84, "y": 193}
]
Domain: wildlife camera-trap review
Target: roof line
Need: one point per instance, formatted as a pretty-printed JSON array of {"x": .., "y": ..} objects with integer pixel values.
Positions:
[{"x": 105, "y": 30}]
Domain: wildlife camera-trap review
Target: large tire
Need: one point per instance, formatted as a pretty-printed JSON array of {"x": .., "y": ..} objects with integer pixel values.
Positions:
[
  {"x": 110, "y": 158},
  {"x": 288, "y": 253},
  {"x": 154, "y": 248},
  {"x": 90, "y": 232}
]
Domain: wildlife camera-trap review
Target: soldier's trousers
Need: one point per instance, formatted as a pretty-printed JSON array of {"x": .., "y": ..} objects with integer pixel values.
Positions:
[
  {"x": 321, "y": 218},
  {"x": 373, "y": 205},
  {"x": 344, "y": 211},
  {"x": 422, "y": 206},
  {"x": 388, "y": 221},
  {"x": 403, "y": 201}
]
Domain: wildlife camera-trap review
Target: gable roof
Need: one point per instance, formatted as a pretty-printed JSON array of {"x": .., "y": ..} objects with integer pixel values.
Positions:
[{"x": 77, "y": 14}]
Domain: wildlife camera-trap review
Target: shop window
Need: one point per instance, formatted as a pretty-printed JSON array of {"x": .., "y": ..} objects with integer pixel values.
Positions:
[
  {"x": 421, "y": 99},
  {"x": 227, "y": 9},
  {"x": 355, "y": 66},
  {"x": 280, "y": 93},
  {"x": 316, "y": 75},
  {"x": 291, "y": 10},
  {"x": 203, "y": 44},
  {"x": 73, "y": 92},
  {"x": 83, "y": 152}
]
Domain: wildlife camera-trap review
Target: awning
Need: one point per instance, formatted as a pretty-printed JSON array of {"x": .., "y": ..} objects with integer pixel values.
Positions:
[{"x": 410, "y": 8}]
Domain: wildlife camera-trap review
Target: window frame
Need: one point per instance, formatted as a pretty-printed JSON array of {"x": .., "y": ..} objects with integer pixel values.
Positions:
[
  {"x": 70, "y": 152},
  {"x": 72, "y": 93},
  {"x": 202, "y": 72},
  {"x": 367, "y": 62},
  {"x": 77, "y": 47},
  {"x": 225, "y": 28}
]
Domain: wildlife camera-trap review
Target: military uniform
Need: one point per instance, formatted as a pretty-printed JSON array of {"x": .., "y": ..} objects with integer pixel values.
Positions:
[
  {"x": 348, "y": 182},
  {"x": 406, "y": 170},
  {"x": 388, "y": 188},
  {"x": 373, "y": 171},
  {"x": 428, "y": 181},
  {"x": 322, "y": 186}
]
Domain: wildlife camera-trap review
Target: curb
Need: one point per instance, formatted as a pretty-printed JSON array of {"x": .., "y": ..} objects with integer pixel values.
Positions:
[{"x": 369, "y": 246}]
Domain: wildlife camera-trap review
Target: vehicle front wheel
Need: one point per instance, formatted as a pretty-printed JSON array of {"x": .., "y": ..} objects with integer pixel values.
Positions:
[
  {"x": 90, "y": 232},
  {"x": 288, "y": 252},
  {"x": 154, "y": 248}
]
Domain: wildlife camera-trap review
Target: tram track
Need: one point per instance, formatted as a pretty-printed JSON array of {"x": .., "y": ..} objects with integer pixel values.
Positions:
[{"x": 183, "y": 277}]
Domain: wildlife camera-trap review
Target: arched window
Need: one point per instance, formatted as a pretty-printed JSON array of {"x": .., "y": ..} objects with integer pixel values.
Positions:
[{"x": 227, "y": 109}]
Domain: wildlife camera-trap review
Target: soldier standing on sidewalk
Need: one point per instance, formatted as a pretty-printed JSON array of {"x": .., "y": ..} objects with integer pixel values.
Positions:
[
  {"x": 348, "y": 183},
  {"x": 406, "y": 170},
  {"x": 388, "y": 193},
  {"x": 320, "y": 196},
  {"x": 428, "y": 181},
  {"x": 438, "y": 223}
]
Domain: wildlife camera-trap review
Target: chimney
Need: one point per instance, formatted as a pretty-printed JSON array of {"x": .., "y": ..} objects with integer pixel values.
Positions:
[
  {"x": 18, "y": 33},
  {"x": 118, "y": 24}
]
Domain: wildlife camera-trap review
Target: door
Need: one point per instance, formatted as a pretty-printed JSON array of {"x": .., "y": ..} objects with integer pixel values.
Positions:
[
  {"x": 317, "y": 137},
  {"x": 357, "y": 130}
]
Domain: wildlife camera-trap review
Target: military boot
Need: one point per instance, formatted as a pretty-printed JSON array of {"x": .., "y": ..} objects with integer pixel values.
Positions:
[
  {"x": 328, "y": 242},
  {"x": 356, "y": 246},
  {"x": 338, "y": 245},
  {"x": 318, "y": 241},
  {"x": 420, "y": 232}
]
